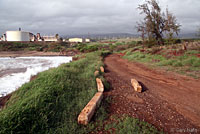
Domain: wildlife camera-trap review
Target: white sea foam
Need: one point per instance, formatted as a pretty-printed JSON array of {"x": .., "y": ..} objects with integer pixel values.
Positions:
[{"x": 10, "y": 82}]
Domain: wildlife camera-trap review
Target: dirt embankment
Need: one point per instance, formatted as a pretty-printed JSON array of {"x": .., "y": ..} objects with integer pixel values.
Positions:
[
  {"x": 3, "y": 100},
  {"x": 169, "y": 101}
]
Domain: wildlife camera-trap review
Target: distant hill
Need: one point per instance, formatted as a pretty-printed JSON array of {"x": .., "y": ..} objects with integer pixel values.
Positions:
[
  {"x": 120, "y": 35},
  {"x": 188, "y": 35},
  {"x": 102, "y": 36}
]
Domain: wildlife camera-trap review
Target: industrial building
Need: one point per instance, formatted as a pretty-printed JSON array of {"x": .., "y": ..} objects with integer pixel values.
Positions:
[
  {"x": 50, "y": 38},
  {"x": 75, "y": 40},
  {"x": 87, "y": 40},
  {"x": 17, "y": 36},
  {"x": 27, "y": 36},
  {"x": 78, "y": 40}
]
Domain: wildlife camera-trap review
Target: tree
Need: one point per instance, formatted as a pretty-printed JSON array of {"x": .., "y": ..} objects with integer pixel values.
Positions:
[
  {"x": 57, "y": 36},
  {"x": 156, "y": 24},
  {"x": 198, "y": 33}
]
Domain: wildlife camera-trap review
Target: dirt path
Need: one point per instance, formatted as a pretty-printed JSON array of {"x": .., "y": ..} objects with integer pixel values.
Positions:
[{"x": 169, "y": 101}]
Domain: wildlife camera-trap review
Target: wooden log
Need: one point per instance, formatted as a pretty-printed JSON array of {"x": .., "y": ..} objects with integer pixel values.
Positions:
[
  {"x": 96, "y": 73},
  {"x": 137, "y": 87},
  {"x": 87, "y": 113},
  {"x": 100, "y": 86},
  {"x": 102, "y": 69}
]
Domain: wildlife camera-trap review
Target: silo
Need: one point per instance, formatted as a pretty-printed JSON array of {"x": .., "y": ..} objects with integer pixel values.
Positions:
[{"x": 17, "y": 36}]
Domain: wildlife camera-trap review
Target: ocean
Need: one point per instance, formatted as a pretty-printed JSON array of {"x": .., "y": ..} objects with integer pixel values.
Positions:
[{"x": 14, "y": 72}]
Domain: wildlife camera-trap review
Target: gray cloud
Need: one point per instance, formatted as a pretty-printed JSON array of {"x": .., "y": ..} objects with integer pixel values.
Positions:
[{"x": 94, "y": 16}]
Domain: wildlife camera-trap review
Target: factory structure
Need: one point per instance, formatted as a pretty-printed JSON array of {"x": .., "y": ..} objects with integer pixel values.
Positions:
[
  {"x": 28, "y": 36},
  {"x": 78, "y": 40},
  {"x": 17, "y": 36}
]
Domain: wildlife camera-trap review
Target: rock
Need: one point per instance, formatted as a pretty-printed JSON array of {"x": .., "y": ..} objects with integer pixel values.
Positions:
[
  {"x": 137, "y": 87},
  {"x": 100, "y": 86},
  {"x": 102, "y": 69},
  {"x": 96, "y": 73},
  {"x": 87, "y": 113}
]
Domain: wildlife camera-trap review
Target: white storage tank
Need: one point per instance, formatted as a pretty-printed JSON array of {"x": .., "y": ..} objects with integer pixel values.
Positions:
[{"x": 17, "y": 36}]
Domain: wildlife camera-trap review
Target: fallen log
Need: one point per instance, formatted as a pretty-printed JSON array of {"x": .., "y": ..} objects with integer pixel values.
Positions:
[
  {"x": 102, "y": 69},
  {"x": 100, "y": 86},
  {"x": 87, "y": 113},
  {"x": 137, "y": 87},
  {"x": 96, "y": 73}
]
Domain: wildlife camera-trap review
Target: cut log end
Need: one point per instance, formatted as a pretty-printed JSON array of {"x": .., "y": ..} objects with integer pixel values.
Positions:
[
  {"x": 137, "y": 87},
  {"x": 102, "y": 69},
  {"x": 87, "y": 113},
  {"x": 100, "y": 86},
  {"x": 96, "y": 73}
]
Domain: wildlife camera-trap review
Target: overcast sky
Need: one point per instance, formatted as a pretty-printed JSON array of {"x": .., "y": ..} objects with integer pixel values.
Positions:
[{"x": 88, "y": 16}]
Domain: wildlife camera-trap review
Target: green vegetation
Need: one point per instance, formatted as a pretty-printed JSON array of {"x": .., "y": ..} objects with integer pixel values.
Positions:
[
  {"x": 185, "y": 62},
  {"x": 178, "y": 61},
  {"x": 126, "y": 125},
  {"x": 33, "y": 46},
  {"x": 168, "y": 56},
  {"x": 131, "y": 125},
  {"x": 52, "y": 102},
  {"x": 87, "y": 47}
]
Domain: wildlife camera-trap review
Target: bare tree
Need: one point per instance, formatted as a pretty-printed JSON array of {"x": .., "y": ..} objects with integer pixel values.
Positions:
[{"x": 156, "y": 24}]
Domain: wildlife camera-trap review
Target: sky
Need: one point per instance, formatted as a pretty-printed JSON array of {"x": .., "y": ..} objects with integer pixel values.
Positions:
[{"x": 67, "y": 17}]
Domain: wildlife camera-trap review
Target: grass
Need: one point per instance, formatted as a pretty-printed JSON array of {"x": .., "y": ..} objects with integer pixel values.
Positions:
[
  {"x": 183, "y": 62},
  {"x": 131, "y": 125},
  {"x": 51, "y": 103},
  {"x": 33, "y": 46},
  {"x": 139, "y": 56}
]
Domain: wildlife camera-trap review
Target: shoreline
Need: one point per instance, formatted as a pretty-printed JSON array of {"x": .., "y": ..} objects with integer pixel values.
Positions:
[
  {"x": 4, "y": 99},
  {"x": 14, "y": 54},
  {"x": 34, "y": 53}
]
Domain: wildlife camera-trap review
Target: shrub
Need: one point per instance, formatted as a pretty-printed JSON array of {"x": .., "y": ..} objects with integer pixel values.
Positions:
[
  {"x": 105, "y": 53},
  {"x": 118, "y": 44}
]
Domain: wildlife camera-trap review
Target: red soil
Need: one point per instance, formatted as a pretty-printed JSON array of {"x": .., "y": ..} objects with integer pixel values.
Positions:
[{"x": 169, "y": 101}]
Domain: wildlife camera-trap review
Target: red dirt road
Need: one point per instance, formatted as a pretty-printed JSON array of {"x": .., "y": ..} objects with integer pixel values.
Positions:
[{"x": 170, "y": 101}]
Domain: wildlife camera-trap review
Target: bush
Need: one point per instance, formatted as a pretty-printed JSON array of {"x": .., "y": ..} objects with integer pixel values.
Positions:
[
  {"x": 118, "y": 44},
  {"x": 105, "y": 53}
]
